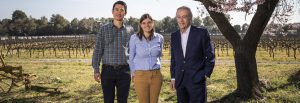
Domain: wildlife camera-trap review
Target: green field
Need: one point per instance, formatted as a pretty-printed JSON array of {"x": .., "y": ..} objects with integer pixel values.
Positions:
[{"x": 74, "y": 77}]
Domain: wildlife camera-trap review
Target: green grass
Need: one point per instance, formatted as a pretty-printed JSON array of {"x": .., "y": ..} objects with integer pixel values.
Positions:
[{"x": 75, "y": 78}]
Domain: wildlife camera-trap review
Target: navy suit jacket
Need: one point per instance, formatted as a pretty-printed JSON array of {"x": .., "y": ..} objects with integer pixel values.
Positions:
[{"x": 199, "y": 59}]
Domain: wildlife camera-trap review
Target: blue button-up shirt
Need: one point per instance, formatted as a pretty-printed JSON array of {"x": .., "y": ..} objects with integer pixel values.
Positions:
[{"x": 145, "y": 55}]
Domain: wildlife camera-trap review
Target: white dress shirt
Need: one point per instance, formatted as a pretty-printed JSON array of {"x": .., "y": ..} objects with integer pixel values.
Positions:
[{"x": 184, "y": 39}]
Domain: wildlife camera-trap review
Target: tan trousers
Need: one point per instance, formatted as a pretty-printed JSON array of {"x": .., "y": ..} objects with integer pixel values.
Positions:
[{"x": 147, "y": 85}]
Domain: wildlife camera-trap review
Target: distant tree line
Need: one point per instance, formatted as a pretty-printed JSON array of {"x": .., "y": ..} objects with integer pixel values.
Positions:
[{"x": 22, "y": 25}]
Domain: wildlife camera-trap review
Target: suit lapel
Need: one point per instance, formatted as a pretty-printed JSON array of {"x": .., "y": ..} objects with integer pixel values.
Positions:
[
  {"x": 189, "y": 42},
  {"x": 178, "y": 40}
]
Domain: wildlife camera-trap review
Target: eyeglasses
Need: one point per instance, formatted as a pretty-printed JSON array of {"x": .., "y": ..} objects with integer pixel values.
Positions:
[{"x": 119, "y": 9}]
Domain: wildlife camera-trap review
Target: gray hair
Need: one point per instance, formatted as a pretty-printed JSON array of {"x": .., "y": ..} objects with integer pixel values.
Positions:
[{"x": 189, "y": 11}]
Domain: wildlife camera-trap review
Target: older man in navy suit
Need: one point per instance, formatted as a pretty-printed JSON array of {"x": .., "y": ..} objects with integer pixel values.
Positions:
[{"x": 192, "y": 59}]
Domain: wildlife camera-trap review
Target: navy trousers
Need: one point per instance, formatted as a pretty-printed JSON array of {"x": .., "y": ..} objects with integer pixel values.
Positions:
[
  {"x": 190, "y": 92},
  {"x": 115, "y": 78}
]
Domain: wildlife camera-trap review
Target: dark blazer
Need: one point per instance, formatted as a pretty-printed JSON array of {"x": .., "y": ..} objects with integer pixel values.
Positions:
[{"x": 199, "y": 59}]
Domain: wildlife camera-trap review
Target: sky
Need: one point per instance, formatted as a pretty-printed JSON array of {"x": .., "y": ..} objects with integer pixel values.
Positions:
[{"x": 70, "y": 9}]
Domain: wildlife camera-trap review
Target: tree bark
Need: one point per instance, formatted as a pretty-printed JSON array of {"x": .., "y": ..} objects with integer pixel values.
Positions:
[{"x": 248, "y": 85}]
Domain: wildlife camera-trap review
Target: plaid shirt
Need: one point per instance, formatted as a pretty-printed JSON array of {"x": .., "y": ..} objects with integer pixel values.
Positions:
[{"x": 111, "y": 45}]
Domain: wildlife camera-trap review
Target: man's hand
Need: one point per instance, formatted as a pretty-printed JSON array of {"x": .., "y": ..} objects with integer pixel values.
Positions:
[
  {"x": 97, "y": 77},
  {"x": 172, "y": 84}
]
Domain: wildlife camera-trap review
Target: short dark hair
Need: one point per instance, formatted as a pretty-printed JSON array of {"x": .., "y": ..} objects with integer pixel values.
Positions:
[{"x": 121, "y": 3}]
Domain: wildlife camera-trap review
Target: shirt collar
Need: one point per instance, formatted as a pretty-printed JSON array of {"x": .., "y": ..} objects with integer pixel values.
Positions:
[
  {"x": 154, "y": 34},
  {"x": 187, "y": 30},
  {"x": 112, "y": 24}
]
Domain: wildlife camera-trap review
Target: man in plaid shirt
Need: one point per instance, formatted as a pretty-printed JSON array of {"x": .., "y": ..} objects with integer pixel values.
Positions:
[{"x": 111, "y": 49}]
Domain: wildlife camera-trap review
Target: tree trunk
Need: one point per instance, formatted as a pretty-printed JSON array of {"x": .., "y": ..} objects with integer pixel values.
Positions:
[
  {"x": 246, "y": 70},
  {"x": 244, "y": 48}
]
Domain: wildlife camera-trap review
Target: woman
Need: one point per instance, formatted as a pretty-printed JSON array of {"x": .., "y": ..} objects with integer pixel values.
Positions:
[{"x": 145, "y": 49}]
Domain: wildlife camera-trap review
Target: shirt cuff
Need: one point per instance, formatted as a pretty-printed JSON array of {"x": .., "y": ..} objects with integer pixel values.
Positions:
[
  {"x": 132, "y": 71},
  {"x": 206, "y": 77},
  {"x": 173, "y": 79}
]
